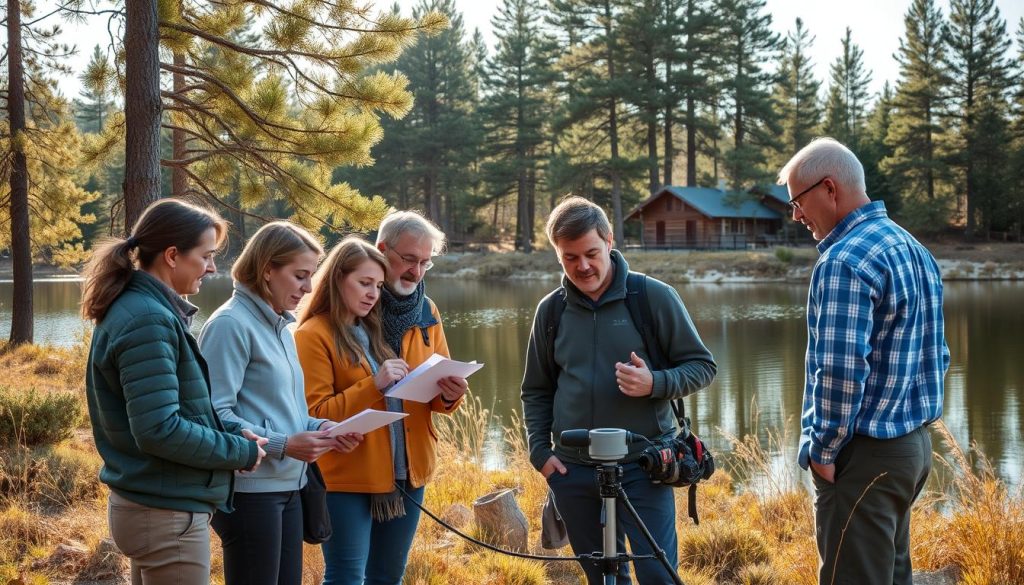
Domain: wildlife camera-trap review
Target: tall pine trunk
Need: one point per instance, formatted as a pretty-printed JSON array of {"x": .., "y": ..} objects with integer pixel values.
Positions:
[
  {"x": 691, "y": 107},
  {"x": 523, "y": 214},
  {"x": 179, "y": 181},
  {"x": 142, "y": 109},
  {"x": 522, "y": 178},
  {"x": 654, "y": 180},
  {"x": 670, "y": 151},
  {"x": 21, "y": 243},
  {"x": 613, "y": 131}
]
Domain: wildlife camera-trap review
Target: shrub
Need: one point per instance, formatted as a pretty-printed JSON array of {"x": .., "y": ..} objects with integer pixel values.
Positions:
[
  {"x": 723, "y": 548},
  {"x": 19, "y": 530},
  {"x": 53, "y": 475},
  {"x": 784, "y": 255},
  {"x": 35, "y": 418},
  {"x": 761, "y": 574}
]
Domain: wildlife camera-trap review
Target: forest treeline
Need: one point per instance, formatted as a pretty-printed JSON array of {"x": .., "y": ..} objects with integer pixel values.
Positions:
[{"x": 329, "y": 112}]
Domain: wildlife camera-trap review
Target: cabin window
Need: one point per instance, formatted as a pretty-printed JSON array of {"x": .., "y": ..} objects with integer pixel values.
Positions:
[{"x": 735, "y": 226}]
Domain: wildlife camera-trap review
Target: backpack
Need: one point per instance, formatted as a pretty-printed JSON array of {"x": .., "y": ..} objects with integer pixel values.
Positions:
[{"x": 639, "y": 306}]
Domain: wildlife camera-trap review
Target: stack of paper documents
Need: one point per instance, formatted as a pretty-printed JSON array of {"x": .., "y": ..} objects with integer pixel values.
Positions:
[{"x": 421, "y": 384}]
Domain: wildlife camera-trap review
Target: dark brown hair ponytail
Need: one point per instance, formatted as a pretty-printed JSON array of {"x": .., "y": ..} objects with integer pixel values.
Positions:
[{"x": 164, "y": 224}]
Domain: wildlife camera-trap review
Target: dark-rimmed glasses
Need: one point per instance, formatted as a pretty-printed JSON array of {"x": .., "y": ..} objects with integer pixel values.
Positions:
[
  {"x": 793, "y": 203},
  {"x": 411, "y": 261}
]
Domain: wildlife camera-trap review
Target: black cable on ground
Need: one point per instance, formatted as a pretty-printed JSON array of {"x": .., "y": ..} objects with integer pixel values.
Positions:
[{"x": 584, "y": 557}]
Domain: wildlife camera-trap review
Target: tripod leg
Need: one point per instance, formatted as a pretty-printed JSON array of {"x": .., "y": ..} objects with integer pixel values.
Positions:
[
  {"x": 610, "y": 565},
  {"x": 658, "y": 551}
]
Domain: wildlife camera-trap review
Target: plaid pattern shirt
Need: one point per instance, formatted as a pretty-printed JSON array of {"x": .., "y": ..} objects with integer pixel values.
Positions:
[{"x": 876, "y": 351}]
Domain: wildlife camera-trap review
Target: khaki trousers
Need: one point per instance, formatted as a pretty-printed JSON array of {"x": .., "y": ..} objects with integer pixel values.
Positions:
[{"x": 166, "y": 547}]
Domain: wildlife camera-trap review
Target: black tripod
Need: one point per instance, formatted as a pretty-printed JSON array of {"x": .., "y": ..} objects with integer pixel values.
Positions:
[{"x": 609, "y": 481}]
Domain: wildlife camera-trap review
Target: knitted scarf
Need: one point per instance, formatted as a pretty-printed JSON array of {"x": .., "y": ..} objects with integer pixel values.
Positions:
[{"x": 399, "y": 315}]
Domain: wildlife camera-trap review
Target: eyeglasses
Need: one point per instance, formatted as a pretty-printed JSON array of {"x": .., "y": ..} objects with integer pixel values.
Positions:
[
  {"x": 793, "y": 204},
  {"x": 411, "y": 261}
]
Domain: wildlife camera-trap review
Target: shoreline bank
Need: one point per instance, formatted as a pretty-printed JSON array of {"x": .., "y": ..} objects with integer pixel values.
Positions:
[{"x": 989, "y": 262}]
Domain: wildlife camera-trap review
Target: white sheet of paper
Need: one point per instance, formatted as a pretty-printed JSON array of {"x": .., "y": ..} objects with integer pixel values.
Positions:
[
  {"x": 421, "y": 383},
  {"x": 366, "y": 421}
]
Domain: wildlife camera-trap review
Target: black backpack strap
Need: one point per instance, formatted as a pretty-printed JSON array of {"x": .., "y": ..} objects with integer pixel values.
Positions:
[
  {"x": 639, "y": 306},
  {"x": 643, "y": 319},
  {"x": 692, "y": 504},
  {"x": 553, "y": 307}
]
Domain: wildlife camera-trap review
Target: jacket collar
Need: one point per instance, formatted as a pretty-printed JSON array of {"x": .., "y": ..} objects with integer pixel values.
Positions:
[
  {"x": 873, "y": 210},
  {"x": 260, "y": 308},
  {"x": 143, "y": 281},
  {"x": 616, "y": 290}
]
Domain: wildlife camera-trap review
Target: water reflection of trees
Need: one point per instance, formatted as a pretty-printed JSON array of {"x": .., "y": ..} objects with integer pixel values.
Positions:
[
  {"x": 986, "y": 384},
  {"x": 756, "y": 332}
]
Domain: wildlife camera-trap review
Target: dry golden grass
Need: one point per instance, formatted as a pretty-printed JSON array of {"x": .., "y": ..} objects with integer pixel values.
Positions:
[
  {"x": 756, "y": 518},
  {"x": 982, "y": 534},
  {"x": 45, "y": 367}
]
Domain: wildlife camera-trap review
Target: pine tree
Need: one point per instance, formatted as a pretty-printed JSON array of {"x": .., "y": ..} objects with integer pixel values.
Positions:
[
  {"x": 847, "y": 107},
  {"x": 513, "y": 109},
  {"x": 797, "y": 92},
  {"x": 748, "y": 44},
  {"x": 644, "y": 34},
  {"x": 990, "y": 167},
  {"x": 443, "y": 138},
  {"x": 40, "y": 199},
  {"x": 977, "y": 44},
  {"x": 269, "y": 114},
  {"x": 1016, "y": 168},
  {"x": 93, "y": 107},
  {"x": 916, "y": 167},
  {"x": 95, "y": 100},
  {"x": 695, "y": 83},
  {"x": 873, "y": 149}
]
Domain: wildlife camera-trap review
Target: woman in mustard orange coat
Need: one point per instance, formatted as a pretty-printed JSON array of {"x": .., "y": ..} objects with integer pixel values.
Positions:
[{"x": 347, "y": 366}]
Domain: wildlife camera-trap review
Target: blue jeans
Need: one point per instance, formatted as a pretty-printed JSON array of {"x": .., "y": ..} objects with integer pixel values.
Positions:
[
  {"x": 363, "y": 551},
  {"x": 579, "y": 503}
]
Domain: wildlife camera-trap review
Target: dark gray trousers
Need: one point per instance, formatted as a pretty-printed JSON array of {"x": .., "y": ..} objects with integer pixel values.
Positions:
[
  {"x": 863, "y": 528},
  {"x": 262, "y": 539}
]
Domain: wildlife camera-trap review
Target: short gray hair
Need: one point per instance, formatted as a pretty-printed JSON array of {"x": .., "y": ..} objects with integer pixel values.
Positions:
[
  {"x": 410, "y": 222},
  {"x": 574, "y": 217},
  {"x": 824, "y": 157}
]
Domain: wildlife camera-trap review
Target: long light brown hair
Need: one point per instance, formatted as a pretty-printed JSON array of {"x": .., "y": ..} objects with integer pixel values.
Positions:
[
  {"x": 164, "y": 224},
  {"x": 326, "y": 299},
  {"x": 272, "y": 246}
]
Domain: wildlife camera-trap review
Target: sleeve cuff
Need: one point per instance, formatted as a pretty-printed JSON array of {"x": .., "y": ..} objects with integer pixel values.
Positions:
[
  {"x": 275, "y": 444},
  {"x": 540, "y": 457},
  {"x": 658, "y": 390},
  {"x": 314, "y": 423}
]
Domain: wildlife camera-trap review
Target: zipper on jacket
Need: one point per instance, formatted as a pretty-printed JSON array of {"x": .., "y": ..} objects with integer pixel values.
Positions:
[{"x": 593, "y": 368}]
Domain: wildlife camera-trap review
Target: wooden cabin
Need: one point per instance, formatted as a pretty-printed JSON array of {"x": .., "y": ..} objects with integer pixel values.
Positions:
[{"x": 706, "y": 218}]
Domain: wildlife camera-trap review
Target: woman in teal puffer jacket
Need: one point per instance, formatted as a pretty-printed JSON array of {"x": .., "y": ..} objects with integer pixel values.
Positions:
[{"x": 167, "y": 457}]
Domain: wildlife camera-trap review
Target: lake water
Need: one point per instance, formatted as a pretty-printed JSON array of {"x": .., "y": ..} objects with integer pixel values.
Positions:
[{"x": 756, "y": 332}]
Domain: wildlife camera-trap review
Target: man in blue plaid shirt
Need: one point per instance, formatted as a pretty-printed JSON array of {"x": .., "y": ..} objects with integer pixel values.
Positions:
[{"x": 876, "y": 358}]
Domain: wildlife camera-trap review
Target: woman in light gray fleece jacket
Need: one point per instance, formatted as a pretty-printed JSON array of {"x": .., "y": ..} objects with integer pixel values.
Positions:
[{"x": 256, "y": 380}]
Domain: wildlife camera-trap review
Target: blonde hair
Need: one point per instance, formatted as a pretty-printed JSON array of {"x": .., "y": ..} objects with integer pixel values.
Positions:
[
  {"x": 327, "y": 298},
  {"x": 164, "y": 224},
  {"x": 274, "y": 245}
]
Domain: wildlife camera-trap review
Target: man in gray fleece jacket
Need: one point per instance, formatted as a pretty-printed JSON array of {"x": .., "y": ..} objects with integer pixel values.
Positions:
[{"x": 603, "y": 379}]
